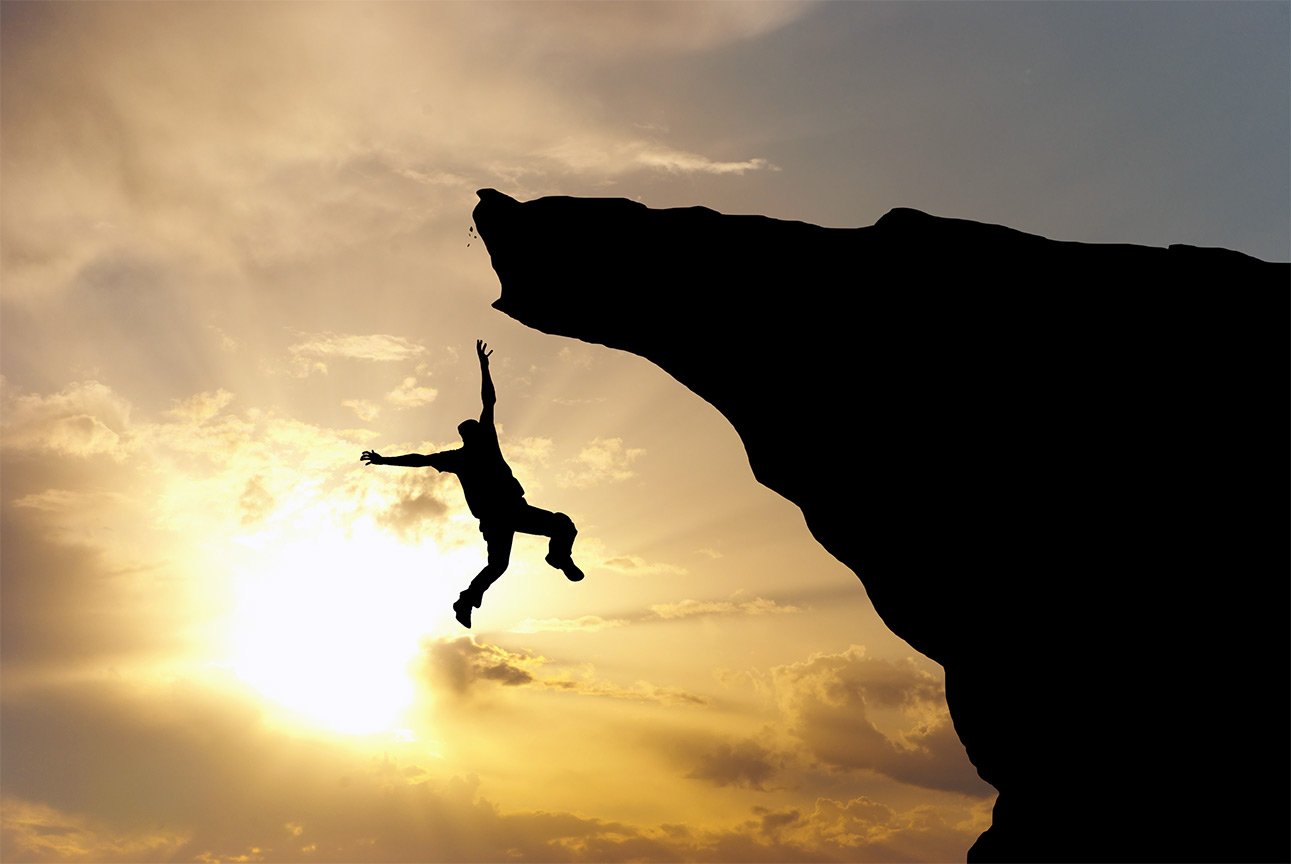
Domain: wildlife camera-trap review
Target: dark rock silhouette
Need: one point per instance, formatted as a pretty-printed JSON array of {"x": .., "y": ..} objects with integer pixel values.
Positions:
[{"x": 1059, "y": 469}]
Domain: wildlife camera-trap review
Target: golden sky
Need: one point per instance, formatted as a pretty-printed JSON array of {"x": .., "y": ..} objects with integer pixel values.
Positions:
[{"x": 236, "y": 253}]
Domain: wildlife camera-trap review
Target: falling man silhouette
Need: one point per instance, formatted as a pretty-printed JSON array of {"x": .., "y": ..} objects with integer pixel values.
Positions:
[{"x": 494, "y": 495}]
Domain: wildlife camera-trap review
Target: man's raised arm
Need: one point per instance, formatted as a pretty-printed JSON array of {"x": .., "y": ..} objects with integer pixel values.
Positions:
[
  {"x": 411, "y": 460},
  {"x": 488, "y": 395}
]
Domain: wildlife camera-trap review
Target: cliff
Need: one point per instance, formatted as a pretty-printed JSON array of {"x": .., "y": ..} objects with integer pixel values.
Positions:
[{"x": 1059, "y": 470}]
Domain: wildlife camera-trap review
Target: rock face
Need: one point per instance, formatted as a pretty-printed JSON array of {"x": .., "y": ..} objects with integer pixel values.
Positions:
[{"x": 1059, "y": 469}]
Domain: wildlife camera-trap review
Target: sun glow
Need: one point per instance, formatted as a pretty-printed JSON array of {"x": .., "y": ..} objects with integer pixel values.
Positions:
[{"x": 329, "y": 626}]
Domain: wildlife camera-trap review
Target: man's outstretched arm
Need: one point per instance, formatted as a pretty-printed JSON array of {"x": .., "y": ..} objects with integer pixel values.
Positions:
[
  {"x": 488, "y": 395},
  {"x": 411, "y": 460}
]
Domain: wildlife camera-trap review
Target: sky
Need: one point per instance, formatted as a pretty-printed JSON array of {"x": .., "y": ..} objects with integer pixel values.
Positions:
[{"x": 236, "y": 251}]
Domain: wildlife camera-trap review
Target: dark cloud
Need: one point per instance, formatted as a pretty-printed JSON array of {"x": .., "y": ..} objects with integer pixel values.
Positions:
[
  {"x": 104, "y": 763},
  {"x": 465, "y": 666},
  {"x": 459, "y": 665},
  {"x": 419, "y": 505},
  {"x": 774, "y": 821},
  {"x": 641, "y": 691},
  {"x": 736, "y": 763},
  {"x": 855, "y": 830},
  {"x": 832, "y": 703},
  {"x": 114, "y": 772}
]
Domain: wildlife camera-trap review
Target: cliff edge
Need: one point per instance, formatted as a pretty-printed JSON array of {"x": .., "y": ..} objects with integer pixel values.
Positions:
[{"x": 1059, "y": 469}]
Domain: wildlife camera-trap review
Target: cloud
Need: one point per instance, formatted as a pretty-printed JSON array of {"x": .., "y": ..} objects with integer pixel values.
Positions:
[
  {"x": 409, "y": 395},
  {"x": 363, "y": 409},
  {"x": 465, "y": 666},
  {"x": 834, "y": 705},
  {"x": 83, "y": 419},
  {"x": 261, "y": 145},
  {"x": 201, "y": 406},
  {"x": 459, "y": 665},
  {"x": 855, "y": 829},
  {"x": 640, "y": 691},
  {"x": 608, "y": 156},
  {"x": 584, "y": 624},
  {"x": 375, "y": 347},
  {"x": 634, "y": 565},
  {"x": 312, "y": 353},
  {"x": 602, "y": 460},
  {"x": 110, "y": 556},
  {"x": 660, "y": 612},
  {"x": 680, "y": 162},
  {"x": 80, "y": 504},
  {"x": 418, "y": 507},
  {"x": 530, "y": 451},
  {"x": 255, "y": 501},
  {"x": 37, "y": 832},
  {"x": 243, "y": 789},
  {"x": 775, "y": 821},
  {"x": 247, "y": 789},
  {"x": 743, "y": 763},
  {"x": 709, "y": 608}
]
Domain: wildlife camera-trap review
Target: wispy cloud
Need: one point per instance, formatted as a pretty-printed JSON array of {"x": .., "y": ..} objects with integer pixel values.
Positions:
[
  {"x": 640, "y": 691},
  {"x": 681, "y": 162},
  {"x": 461, "y": 664},
  {"x": 376, "y": 347},
  {"x": 603, "y": 460},
  {"x": 662, "y": 612},
  {"x": 39, "y": 832},
  {"x": 831, "y": 703},
  {"x": 467, "y": 666},
  {"x": 584, "y": 624},
  {"x": 709, "y": 608},
  {"x": 83, "y": 419},
  {"x": 201, "y": 406},
  {"x": 410, "y": 395},
  {"x": 609, "y": 155},
  {"x": 635, "y": 565},
  {"x": 363, "y": 409},
  {"x": 385, "y": 808},
  {"x": 743, "y": 763}
]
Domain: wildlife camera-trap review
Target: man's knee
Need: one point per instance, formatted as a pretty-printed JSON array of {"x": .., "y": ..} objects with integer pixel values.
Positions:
[{"x": 563, "y": 526}]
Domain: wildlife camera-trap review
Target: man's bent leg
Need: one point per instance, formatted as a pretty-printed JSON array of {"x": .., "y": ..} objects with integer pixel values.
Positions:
[
  {"x": 499, "y": 540},
  {"x": 560, "y": 528},
  {"x": 561, "y": 545}
]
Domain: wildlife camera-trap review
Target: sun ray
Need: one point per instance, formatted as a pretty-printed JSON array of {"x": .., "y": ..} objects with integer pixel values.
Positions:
[{"x": 328, "y": 624}]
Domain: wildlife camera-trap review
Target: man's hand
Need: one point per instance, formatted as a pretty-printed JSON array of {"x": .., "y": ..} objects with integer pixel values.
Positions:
[
  {"x": 481, "y": 351},
  {"x": 372, "y": 457}
]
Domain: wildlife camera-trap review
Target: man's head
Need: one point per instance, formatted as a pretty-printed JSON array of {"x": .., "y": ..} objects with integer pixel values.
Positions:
[{"x": 469, "y": 430}]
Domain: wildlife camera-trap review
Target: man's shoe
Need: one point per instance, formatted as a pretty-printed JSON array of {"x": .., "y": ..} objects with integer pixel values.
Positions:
[
  {"x": 462, "y": 611},
  {"x": 566, "y": 566}
]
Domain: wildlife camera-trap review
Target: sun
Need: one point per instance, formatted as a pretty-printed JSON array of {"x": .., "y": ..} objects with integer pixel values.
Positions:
[{"x": 328, "y": 624}]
